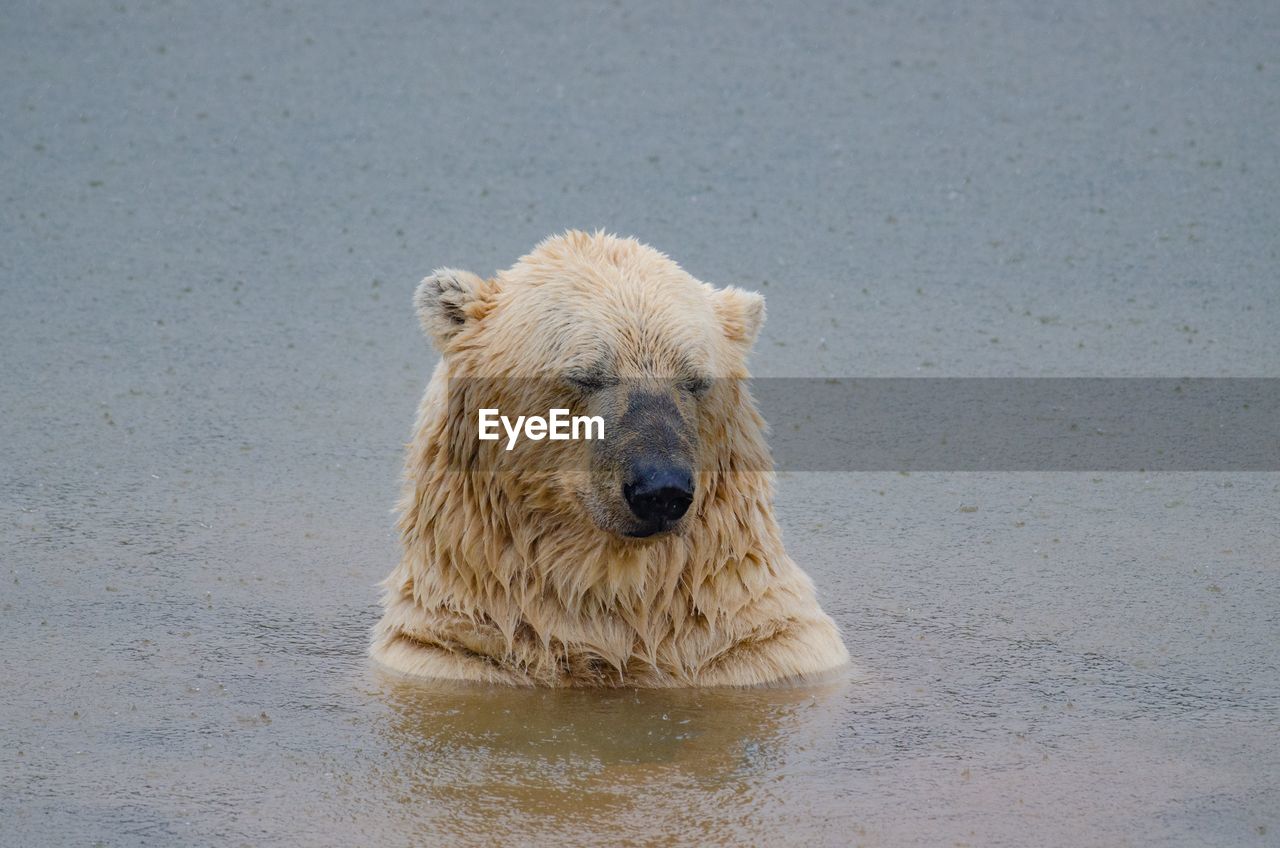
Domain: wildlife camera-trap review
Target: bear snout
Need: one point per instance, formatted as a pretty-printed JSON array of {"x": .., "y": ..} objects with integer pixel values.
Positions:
[{"x": 659, "y": 494}]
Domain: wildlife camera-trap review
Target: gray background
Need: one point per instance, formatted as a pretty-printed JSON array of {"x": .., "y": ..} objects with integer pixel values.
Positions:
[{"x": 214, "y": 216}]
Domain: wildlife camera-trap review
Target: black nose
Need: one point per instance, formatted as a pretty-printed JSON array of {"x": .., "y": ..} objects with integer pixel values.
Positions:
[{"x": 659, "y": 494}]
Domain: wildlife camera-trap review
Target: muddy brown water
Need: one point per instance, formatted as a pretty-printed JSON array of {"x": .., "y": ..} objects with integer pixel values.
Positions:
[
  {"x": 214, "y": 217},
  {"x": 1082, "y": 659}
]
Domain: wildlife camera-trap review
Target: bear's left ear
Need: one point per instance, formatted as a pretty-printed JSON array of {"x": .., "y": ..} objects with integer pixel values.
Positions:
[
  {"x": 741, "y": 313},
  {"x": 446, "y": 300}
]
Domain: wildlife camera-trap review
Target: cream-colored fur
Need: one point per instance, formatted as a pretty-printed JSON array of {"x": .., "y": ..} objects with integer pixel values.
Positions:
[{"x": 504, "y": 577}]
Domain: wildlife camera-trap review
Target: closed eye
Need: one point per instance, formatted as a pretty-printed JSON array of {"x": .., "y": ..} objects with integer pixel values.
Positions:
[
  {"x": 588, "y": 381},
  {"x": 696, "y": 386}
]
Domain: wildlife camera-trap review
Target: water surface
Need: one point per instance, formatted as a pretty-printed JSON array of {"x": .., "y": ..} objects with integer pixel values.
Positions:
[{"x": 214, "y": 217}]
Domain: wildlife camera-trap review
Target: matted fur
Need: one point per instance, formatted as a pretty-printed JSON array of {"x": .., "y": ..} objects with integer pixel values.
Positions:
[{"x": 504, "y": 577}]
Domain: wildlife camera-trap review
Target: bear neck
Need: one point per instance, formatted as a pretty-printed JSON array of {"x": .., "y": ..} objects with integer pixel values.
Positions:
[{"x": 482, "y": 549}]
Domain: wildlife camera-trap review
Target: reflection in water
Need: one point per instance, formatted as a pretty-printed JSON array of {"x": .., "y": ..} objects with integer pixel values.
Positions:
[{"x": 517, "y": 763}]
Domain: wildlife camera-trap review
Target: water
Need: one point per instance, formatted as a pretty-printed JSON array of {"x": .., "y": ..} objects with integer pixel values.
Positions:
[
  {"x": 1049, "y": 662},
  {"x": 214, "y": 219}
]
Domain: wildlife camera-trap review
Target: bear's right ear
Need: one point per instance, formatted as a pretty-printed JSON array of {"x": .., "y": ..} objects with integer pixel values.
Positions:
[{"x": 446, "y": 300}]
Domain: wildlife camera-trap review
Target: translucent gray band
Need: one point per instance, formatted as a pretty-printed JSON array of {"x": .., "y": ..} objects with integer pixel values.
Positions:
[{"x": 973, "y": 424}]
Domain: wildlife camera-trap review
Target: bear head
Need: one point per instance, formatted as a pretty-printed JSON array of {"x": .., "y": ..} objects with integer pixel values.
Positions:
[{"x": 608, "y": 328}]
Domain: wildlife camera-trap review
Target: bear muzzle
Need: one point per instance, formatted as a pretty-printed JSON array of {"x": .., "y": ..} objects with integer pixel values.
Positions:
[{"x": 658, "y": 494}]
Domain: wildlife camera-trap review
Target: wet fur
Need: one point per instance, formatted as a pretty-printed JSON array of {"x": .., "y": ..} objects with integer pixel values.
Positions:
[{"x": 506, "y": 579}]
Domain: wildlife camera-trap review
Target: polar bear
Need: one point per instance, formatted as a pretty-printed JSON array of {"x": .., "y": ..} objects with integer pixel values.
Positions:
[{"x": 647, "y": 558}]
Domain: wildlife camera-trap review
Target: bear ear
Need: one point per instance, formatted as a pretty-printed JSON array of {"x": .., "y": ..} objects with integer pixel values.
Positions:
[
  {"x": 741, "y": 313},
  {"x": 445, "y": 300}
]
